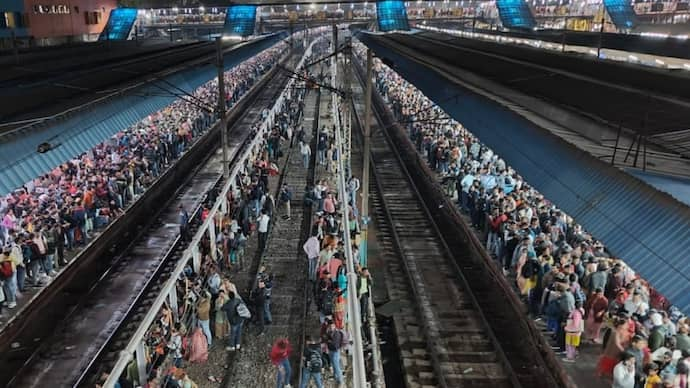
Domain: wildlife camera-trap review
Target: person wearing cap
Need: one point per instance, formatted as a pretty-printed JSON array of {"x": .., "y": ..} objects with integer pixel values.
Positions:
[{"x": 595, "y": 310}]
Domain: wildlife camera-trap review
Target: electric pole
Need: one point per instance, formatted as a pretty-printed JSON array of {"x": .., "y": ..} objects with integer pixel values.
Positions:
[
  {"x": 221, "y": 105},
  {"x": 367, "y": 151}
]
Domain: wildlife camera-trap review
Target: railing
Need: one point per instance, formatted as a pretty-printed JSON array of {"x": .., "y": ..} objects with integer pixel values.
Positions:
[
  {"x": 168, "y": 294},
  {"x": 354, "y": 314}
]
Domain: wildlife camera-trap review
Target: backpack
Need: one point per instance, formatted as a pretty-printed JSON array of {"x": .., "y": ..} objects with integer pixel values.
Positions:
[
  {"x": 327, "y": 307},
  {"x": 243, "y": 311},
  {"x": 6, "y": 269},
  {"x": 335, "y": 340},
  {"x": 314, "y": 361},
  {"x": 344, "y": 339}
]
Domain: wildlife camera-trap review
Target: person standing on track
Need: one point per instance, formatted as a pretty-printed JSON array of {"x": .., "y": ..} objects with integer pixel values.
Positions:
[
  {"x": 333, "y": 338},
  {"x": 263, "y": 222},
  {"x": 280, "y": 357},
  {"x": 312, "y": 364},
  {"x": 305, "y": 151},
  {"x": 203, "y": 311},
  {"x": 184, "y": 223},
  {"x": 260, "y": 299},
  {"x": 353, "y": 187},
  {"x": 285, "y": 198},
  {"x": 311, "y": 248},
  {"x": 232, "y": 311}
]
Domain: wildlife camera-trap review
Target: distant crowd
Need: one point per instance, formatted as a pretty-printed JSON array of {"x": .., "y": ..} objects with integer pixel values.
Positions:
[{"x": 44, "y": 221}]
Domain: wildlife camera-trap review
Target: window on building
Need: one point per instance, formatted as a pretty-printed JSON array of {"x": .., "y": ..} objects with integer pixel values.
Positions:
[
  {"x": 12, "y": 20},
  {"x": 92, "y": 17}
]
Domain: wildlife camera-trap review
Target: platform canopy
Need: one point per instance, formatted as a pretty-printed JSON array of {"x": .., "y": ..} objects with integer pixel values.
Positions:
[{"x": 646, "y": 227}]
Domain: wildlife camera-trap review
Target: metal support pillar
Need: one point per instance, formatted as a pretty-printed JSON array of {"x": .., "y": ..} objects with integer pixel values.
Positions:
[
  {"x": 365, "y": 164},
  {"x": 196, "y": 259},
  {"x": 221, "y": 106},
  {"x": 637, "y": 150},
  {"x": 334, "y": 42},
  {"x": 172, "y": 303},
  {"x": 140, "y": 354},
  {"x": 615, "y": 147},
  {"x": 644, "y": 154},
  {"x": 565, "y": 31},
  {"x": 15, "y": 48},
  {"x": 601, "y": 34},
  {"x": 347, "y": 121},
  {"x": 212, "y": 237},
  {"x": 627, "y": 154}
]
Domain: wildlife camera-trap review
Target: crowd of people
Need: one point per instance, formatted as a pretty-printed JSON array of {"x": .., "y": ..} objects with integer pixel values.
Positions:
[
  {"x": 215, "y": 311},
  {"x": 45, "y": 220},
  {"x": 565, "y": 276}
]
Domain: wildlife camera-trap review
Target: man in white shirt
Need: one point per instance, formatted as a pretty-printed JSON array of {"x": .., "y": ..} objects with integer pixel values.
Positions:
[
  {"x": 353, "y": 187},
  {"x": 305, "y": 151},
  {"x": 311, "y": 248},
  {"x": 624, "y": 372},
  {"x": 262, "y": 227}
]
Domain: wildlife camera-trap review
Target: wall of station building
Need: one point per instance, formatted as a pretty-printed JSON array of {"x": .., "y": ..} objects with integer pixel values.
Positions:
[{"x": 50, "y": 22}]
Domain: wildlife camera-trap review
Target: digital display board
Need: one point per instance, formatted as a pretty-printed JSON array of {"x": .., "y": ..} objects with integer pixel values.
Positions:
[
  {"x": 240, "y": 20},
  {"x": 515, "y": 14},
  {"x": 622, "y": 13},
  {"x": 120, "y": 23},
  {"x": 392, "y": 16}
]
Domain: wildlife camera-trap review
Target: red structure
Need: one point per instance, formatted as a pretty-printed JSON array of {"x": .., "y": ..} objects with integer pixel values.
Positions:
[{"x": 61, "y": 21}]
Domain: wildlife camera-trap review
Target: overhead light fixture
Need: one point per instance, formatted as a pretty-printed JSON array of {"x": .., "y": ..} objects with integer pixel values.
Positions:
[{"x": 201, "y": 8}]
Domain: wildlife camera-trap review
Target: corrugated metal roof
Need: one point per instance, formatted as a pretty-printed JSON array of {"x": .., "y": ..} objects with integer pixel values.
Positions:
[
  {"x": 648, "y": 228},
  {"x": 677, "y": 187},
  {"x": 76, "y": 134}
]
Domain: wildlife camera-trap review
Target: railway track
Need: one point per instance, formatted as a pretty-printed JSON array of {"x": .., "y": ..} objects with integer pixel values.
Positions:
[
  {"x": 284, "y": 259},
  {"x": 240, "y": 135},
  {"x": 456, "y": 330},
  {"x": 86, "y": 342}
]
